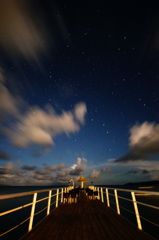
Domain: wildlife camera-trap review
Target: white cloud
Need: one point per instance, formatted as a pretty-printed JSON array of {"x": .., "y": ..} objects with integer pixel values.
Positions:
[
  {"x": 19, "y": 33},
  {"x": 8, "y": 103},
  {"x": 95, "y": 174},
  {"x": 40, "y": 127},
  {"x": 79, "y": 168},
  {"x": 144, "y": 140},
  {"x": 141, "y": 134},
  {"x": 80, "y": 111},
  {"x": 34, "y": 125}
]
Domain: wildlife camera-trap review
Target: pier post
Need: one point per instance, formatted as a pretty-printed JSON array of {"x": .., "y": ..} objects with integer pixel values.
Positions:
[
  {"x": 49, "y": 202},
  {"x": 32, "y": 212},
  {"x": 107, "y": 196},
  {"x": 57, "y": 197},
  {"x": 102, "y": 198},
  {"x": 117, "y": 202},
  {"x": 136, "y": 211},
  {"x": 98, "y": 193},
  {"x": 61, "y": 195}
]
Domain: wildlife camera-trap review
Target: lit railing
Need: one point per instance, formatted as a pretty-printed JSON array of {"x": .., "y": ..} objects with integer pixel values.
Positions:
[
  {"x": 144, "y": 205},
  {"x": 53, "y": 197},
  {"x": 125, "y": 202}
]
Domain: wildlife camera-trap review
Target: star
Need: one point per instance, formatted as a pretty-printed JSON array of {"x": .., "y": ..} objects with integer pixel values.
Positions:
[{"x": 92, "y": 59}]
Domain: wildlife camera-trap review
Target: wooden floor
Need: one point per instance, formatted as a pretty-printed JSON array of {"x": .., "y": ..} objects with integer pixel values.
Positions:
[{"x": 85, "y": 220}]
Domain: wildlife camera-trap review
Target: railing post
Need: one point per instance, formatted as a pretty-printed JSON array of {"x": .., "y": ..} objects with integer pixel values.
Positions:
[
  {"x": 117, "y": 202},
  {"x": 98, "y": 193},
  {"x": 102, "y": 198},
  {"x": 49, "y": 202},
  {"x": 61, "y": 195},
  {"x": 57, "y": 197},
  {"x": 107, "y": 196},
  {"x": 32, "y": 212},
  {"x": 136, "y": 211}
]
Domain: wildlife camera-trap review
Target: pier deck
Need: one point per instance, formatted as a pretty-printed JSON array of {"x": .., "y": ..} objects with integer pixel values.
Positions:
[{"x": 85, "y": 220}]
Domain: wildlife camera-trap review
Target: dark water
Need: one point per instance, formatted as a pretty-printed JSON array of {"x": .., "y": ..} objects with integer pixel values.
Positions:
[
  {"x": 126, "y": 207},
  {"x": 12, "y": 219}
]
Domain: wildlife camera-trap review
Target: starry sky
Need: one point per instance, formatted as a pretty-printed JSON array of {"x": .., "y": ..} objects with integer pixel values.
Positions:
[{"x": 79, "y": 91}]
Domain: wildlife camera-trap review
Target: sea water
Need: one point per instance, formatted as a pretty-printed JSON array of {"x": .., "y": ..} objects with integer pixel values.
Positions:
[{"x": 12, "y": 219}]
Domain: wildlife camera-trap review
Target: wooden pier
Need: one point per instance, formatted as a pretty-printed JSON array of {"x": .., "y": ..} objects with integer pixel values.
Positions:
[{"x": 85, "y": 220}]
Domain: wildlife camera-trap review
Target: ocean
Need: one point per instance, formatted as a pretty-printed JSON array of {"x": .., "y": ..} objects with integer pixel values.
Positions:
[{"x": 13, "y": 219}]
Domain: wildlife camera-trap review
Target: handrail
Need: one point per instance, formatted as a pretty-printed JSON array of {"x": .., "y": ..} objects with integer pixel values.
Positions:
[
  {"x": 55, "y": 192},
  {"x": 15, "y": 209},
  {"x": 131, "y": 199},
  {"x": 56, "y": 196},
  {"x": 133, "y": 190},
  {"x": 14, "y": 195}
]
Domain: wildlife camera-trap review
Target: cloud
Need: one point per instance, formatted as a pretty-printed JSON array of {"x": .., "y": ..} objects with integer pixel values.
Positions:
[
  {"x": 79, "y": 168},
  {"x": 144, "y": 141},
  {"x": 137, "y": 169},
  {"x": 33, "y": 125},
  {"x": 40, "y": 127},
  {"x": 29, "y": 168},
  {"x": 132, "y": 171},
  {"x": 57, "y": 167},
  {"x": 140, "y": 164},
  {"x": 9, "y": 104},
  {"x": 106, "y": 170},
  {"x": 19, "y": 33},
  {"x": 95, "y": 174},
  {"x": 138, "y": 172},
  {"x": 8, "y": 168},
  {"x": 144, "y": 172},
  {"x": 4, "y": 155},
  {"x": 14, "y": 174},
  {"x": 80, "y": 110}
]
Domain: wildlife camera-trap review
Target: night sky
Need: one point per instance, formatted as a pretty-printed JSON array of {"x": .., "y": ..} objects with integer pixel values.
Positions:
[{"x": 79, "y": 91}]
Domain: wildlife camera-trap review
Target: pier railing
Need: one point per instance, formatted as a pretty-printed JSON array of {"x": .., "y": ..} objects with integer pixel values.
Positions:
[
  {"x": 22, "y": 211},
  {"x": 15, "y": 217},
  {"x": 139, "y": 207}
]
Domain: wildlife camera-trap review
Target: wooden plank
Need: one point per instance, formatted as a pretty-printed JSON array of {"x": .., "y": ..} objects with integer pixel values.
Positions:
[{"x": 85, "y": 220}]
